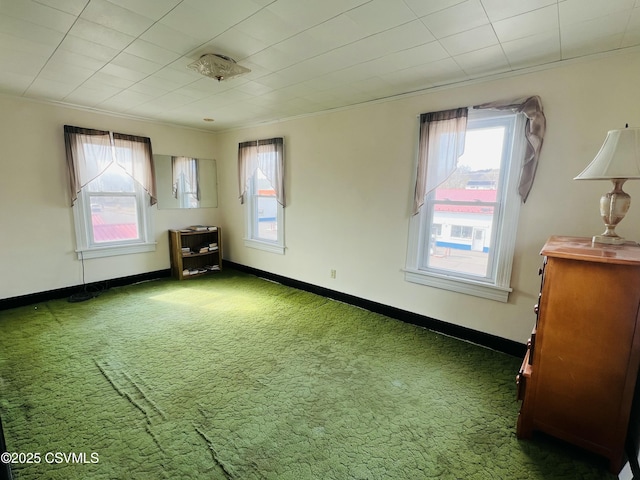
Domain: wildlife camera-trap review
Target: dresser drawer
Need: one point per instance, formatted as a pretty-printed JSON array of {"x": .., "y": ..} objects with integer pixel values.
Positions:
[{"x": 523, "y": 374}]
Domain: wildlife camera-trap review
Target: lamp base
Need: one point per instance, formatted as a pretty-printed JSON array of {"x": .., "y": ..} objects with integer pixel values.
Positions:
[
  {"x": 608, "y": 240},
  {"x": 613, "y": 207}
]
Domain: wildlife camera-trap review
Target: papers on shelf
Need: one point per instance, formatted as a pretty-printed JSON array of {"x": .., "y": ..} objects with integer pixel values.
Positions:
[
  {"x": 212, "y": 247},
  {"x": 203, "y": 269},
  {"x": 200, "y": 228}
]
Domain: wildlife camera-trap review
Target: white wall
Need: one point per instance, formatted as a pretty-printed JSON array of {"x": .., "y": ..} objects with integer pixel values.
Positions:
[
  {"x": 350, "y": 181},
  {"x": 37, "y": 238}
]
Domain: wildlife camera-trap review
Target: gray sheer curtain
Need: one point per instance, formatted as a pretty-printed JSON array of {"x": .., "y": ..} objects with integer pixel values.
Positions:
[
  {"x": 265, "y": 155},
  {"x": 534, "y": 131},
  {"x": 134, "y": 154},
  {"x": 185, "y": 176},
  {"x": 442, "y": 136},
  {"x": 90, "y": 152}
]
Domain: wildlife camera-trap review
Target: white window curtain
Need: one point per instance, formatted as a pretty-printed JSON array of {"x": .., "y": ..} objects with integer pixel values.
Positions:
[
  {"x": 534, "y": 131},
  {"x": 185, "y": 176},
  {"x": 90, "y": 152},
  {"x": 138, "y": 162},
  {"x": 442, "y": 137},
  {"x": 265, "y": 155},
  {"x": 81, "y": 143}
]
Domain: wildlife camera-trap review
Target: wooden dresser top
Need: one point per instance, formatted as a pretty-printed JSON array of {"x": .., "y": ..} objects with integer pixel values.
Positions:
[{"x": 581, "y": 248}]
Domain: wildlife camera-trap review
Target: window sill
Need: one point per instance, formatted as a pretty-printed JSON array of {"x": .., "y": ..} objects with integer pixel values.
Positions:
[
  {"x": 460, "y": 285},
  {"x": 266, "y": 246},
  {"x": 113, "y": 250}
]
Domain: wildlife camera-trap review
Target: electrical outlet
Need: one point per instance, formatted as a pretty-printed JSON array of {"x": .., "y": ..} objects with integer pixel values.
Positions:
[{"x": 333, "y": 273}]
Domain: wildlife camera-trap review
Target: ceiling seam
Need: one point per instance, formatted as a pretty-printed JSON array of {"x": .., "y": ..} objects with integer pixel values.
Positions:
[
  {"x": 122, "y": 50},
  {"x": 55, "y": 49}
]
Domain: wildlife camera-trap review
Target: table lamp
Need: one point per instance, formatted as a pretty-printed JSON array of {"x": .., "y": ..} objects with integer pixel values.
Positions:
[{"x": 618, "y": 160}]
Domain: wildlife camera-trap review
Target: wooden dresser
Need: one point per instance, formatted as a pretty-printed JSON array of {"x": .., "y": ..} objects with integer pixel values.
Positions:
[{"x": 578, "y": 377}]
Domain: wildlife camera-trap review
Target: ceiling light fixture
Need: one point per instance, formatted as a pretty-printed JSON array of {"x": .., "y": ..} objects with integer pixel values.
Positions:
[{"x": 217, "y": 66}]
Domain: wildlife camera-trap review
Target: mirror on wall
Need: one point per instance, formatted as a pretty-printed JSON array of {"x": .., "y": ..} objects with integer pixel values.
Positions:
[{"x": 186, "y": 182}]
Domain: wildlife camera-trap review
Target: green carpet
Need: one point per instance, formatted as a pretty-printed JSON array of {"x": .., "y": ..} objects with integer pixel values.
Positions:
[{"x": 234, "y": 377}]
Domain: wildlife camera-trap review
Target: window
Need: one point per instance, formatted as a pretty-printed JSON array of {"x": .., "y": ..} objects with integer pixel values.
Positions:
[
  {"x": 463, "y": 236},
  {"x": 111, "y": 175},
  {"x": 261, "y": 182},
  {"x": 461, "y": 231},
  {"x": 186, "y": 182}
]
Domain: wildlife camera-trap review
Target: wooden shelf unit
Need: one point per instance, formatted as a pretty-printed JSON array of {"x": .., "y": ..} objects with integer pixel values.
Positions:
[
  {"x": 578, "y": 377},
  {"x": 195, "y": 260}
]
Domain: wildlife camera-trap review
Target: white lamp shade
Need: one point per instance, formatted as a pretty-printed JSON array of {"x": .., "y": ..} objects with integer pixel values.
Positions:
[{"x": 619, "y": 157}]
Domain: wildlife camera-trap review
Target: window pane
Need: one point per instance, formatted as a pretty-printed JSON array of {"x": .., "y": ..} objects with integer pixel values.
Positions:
[
  {"x": 267, "y": 217},
  {"x": 114, "y": 218},
  {"x": 114, "y": 179},
  {"x": 463, "y": 207}
]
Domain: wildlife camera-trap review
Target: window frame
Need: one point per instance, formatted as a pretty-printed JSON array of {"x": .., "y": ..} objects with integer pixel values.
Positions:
[
  {"x": 252, "y": 238},
  {"x": 249, "y": 191},
  {"x": 496, "y": 286},
  {"x": 87, "y": 247}
]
